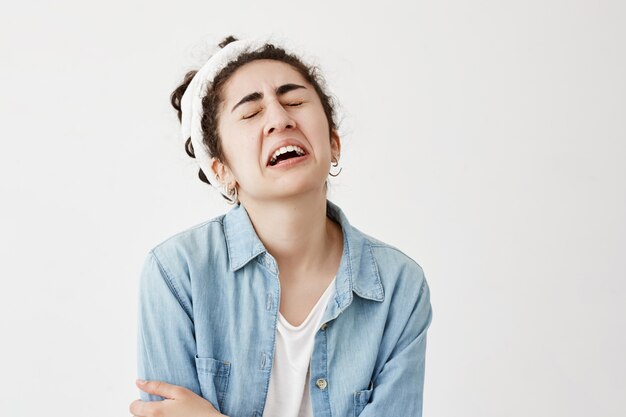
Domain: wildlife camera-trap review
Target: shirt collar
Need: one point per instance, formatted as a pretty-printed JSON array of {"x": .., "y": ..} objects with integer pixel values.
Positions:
[{"x": 357, "y": 270}]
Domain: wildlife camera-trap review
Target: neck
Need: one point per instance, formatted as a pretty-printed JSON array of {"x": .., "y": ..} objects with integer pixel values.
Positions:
[{"x": 296, "y": 231}]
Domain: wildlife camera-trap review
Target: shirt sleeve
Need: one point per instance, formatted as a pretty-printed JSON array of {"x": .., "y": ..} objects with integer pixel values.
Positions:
[
  {"x": 398, "y": 389},
  {"x": 165, "y": 330}
]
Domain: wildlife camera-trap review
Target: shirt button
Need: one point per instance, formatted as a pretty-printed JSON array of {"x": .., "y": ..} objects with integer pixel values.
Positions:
[
  {"x": 321, "y": 383},
  {"x": 324, "y": 326}
]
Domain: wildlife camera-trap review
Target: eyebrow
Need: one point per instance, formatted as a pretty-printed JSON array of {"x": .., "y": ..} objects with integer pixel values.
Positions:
[{"x": 283, "y": 89}]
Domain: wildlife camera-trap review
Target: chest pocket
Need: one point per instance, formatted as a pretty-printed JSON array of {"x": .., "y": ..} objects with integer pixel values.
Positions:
[
  {"x": 361, "y": 398},
  {"x": 213, "y": 375}
]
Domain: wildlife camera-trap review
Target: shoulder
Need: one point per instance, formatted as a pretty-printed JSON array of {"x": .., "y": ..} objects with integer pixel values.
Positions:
[
  {"x": 395, "y": 268},
  {"x": 192, "y": 245},
  {"x": 191, "y": 234}
]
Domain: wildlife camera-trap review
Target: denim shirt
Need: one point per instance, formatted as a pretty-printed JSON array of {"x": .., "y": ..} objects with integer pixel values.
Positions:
[{"x": 208, "y": 306}]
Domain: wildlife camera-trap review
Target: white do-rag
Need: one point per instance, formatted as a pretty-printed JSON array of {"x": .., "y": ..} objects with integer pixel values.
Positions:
[{"x": 191, "y": 102}]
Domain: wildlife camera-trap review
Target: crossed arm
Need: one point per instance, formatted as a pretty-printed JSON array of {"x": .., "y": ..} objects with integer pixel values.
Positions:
[{"x": 166, "y": 348}]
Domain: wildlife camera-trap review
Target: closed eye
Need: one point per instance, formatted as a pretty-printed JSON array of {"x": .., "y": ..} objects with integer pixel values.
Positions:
[
  {"x": 290, "y": 104},
  {"x": 251, "y": 116}
]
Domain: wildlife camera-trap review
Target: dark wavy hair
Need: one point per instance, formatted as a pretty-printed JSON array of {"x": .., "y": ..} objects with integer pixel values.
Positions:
[{"x": 214, "y": 97}]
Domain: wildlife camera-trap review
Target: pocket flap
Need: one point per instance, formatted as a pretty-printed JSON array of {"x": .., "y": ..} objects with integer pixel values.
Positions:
[{"x": 212, "y": 366}]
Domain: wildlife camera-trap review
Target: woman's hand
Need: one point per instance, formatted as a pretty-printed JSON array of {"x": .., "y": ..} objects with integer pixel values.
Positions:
[{"x": 179, "y": 402}]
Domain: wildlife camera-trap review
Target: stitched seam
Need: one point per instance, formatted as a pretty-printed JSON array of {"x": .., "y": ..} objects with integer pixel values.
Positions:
[
  {"x": 349, "y": 266},
  {"x": 413, "y": 309},
  {"x": 228, "y": 248},
  {"x": 375, "y": 269},
  {"x": 172, "y": 286},
  {"x": 267, "y": 379},
  {"x": 224, "y": 383},
  {"x": 423, "y": 335}
]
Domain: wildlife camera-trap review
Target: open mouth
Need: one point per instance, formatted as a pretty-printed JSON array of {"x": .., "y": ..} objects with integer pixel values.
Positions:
[{"x": 285, "y": 154}]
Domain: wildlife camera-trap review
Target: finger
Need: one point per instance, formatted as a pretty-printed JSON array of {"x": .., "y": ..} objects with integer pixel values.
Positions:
[
  {"x": 160, "y": 388},
  {"x": 141, "y": 408},
  {"x": 135, "y": 408}
]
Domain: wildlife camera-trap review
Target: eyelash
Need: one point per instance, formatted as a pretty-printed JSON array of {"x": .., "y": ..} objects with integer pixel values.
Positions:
[{"x": 290, "y": 104}]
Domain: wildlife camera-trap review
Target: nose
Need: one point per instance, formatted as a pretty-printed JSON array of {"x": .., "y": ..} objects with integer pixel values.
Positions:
[{"x": 278, "y": 119}]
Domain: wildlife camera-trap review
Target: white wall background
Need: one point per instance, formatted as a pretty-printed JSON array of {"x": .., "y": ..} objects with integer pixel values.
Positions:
[{"x": 484, "y": 138}]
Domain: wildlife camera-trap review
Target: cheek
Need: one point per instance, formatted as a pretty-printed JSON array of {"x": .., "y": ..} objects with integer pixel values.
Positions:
[
  {"x": 319, "y": 127},
  {"x": 244, "y": 157},
  {"x": 322, "y": 124}
]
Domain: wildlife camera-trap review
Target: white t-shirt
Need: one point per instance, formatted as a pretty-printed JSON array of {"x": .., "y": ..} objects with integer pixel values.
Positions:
[{"x": 288, "y": 394}]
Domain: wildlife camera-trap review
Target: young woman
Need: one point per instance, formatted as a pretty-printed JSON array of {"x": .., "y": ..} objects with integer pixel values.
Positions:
[{"x": 280, "y": 307}]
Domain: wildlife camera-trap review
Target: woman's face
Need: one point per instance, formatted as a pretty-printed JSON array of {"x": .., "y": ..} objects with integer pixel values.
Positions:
[{"x": 265, "y": 103}]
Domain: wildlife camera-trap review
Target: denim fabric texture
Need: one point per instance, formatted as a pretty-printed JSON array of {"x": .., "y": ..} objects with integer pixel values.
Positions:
[{"x": 208, "y": 306}]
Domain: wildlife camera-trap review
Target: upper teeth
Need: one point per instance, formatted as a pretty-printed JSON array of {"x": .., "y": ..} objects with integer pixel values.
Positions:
[{"x": 285, "y": 149}]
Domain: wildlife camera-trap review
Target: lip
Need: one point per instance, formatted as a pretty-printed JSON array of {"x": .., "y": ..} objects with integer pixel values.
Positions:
[
  {"x": 290, "y": 162},
  {"x": 280, "y": 144}
]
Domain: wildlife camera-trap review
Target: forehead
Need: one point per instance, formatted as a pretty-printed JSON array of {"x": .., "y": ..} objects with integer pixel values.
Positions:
[{"x": 258, "y": 74}]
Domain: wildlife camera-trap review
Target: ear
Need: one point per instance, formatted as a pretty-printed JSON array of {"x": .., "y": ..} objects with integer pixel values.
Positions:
[
  {"x": 335, "y": 144},
  {"x": 221, "y": 171}
]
